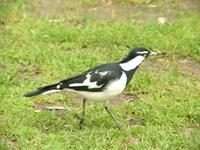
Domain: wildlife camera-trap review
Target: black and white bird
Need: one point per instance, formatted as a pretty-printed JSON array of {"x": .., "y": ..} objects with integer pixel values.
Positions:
[{"x": 102, "y": 82}]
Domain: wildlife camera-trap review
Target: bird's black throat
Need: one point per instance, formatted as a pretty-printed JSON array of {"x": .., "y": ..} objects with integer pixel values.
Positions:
[{"x": 130, "y": 74}]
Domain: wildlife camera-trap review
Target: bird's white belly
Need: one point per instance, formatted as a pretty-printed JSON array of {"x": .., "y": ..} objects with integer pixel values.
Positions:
[{"x": 113, "y": 89}]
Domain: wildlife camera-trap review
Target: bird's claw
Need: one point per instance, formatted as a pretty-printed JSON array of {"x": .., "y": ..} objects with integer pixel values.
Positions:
[
  {"x": 119, "y": 126},
  {"x": 81, "y": 123}
]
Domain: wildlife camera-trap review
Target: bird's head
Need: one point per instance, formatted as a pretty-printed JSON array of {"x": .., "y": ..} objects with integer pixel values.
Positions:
[
  {"x": 135, "y": 58},
  {"x": 138, "y": 52}
]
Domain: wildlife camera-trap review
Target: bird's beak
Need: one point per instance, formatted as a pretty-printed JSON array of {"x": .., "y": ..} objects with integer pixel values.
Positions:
[{"x": 154, "y": 53}]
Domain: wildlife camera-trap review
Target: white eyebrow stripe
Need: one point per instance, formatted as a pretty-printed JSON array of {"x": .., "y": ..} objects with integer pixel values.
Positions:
[{"x": 144, "y": 52}]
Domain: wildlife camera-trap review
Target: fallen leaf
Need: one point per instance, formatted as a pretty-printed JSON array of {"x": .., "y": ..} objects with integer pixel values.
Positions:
[
  {"x": 152, "y": 6},
  {"x": 38, "y": 110},
  {"x": 56, "y": 20},
  {"x": 55, "y": 107},
  {"x": 162, "y": 20},
  {"x": 93, "y": 9}
]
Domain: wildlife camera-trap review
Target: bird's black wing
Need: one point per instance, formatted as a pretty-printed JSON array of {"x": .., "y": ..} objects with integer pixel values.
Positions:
[{"x": 93, "y": 80}]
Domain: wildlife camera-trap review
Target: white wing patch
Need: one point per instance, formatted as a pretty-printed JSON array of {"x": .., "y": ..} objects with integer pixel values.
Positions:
[
  {"x": 103, "y": 73},
  {"x": 113, "y": 89},
  {"x": 58, "y": 86},
  {"x": 132, "y": 64},
  {"x": 86, "y": 82}
]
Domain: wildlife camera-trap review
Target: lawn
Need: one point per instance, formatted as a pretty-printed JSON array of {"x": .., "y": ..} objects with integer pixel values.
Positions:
[{"x": 160, "y": 108}]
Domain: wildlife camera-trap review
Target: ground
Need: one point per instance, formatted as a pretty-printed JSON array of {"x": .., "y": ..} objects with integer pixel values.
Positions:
[{"x": 44, "y": 41}]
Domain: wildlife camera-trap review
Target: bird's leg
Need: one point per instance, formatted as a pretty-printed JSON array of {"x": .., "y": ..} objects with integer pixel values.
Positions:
[
  {"x": 113, "y": 117},
  {"x": 83, "y": 114}
]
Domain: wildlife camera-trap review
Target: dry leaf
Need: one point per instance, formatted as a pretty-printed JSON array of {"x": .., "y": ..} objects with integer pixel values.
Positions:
[
  {"x": 152, "y": 6},
  {"x": 162, "y": 20},
  {"x": 56, "y": 107},
  {"x": 38, "y": 110}
]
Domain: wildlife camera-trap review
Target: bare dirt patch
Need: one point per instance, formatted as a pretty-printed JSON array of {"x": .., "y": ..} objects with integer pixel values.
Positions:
[
  {"x": 189, "y": 67},
  {"x": 123, "y": 97},
  {"x": 156, "y": 64},
  {"x": 185, "y": 64}
]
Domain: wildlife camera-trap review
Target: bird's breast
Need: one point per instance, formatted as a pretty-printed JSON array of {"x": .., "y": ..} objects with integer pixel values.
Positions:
[{"x": 118, "y": 85}]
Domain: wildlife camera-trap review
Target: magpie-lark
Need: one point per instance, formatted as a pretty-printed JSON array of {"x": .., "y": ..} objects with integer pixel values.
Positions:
[{"x": 100, "y": 83}]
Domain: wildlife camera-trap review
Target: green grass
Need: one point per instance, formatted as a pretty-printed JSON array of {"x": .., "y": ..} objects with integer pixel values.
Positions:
[{"x": 35, "y": 52}]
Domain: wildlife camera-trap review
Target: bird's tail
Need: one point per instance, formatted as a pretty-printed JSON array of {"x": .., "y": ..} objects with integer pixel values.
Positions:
[{"x": 44, "y": 90}]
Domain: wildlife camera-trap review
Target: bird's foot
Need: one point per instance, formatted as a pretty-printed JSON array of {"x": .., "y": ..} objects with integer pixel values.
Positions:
[
  {"x": 81, "y": 123},
  {"x": 77, "y": 116},
  {"x": 119, "y": 126},
  {"x": 82, "y": 120}
]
